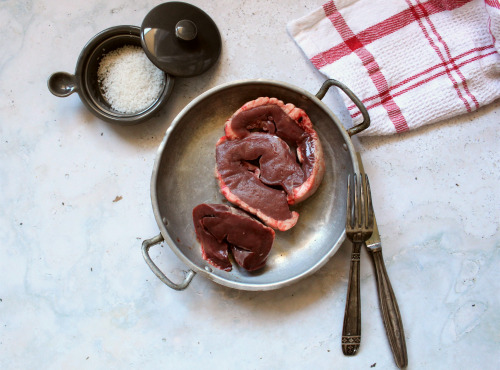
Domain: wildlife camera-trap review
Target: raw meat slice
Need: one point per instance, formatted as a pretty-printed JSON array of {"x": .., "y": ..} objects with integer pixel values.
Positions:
[
  {"x": 259, "y": 189},
  {"x": 292, "y": 124},
  {"x": 220, "y": 228}
]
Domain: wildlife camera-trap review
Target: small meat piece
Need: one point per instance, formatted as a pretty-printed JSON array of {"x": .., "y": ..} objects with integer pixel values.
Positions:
[
  {"x": 258, "y": 173},
  {"x": 293, "y": 125},
  {"x": 220, "y": 229}
]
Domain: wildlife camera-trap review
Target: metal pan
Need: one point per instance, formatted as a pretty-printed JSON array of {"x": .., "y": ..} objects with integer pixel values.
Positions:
[{"x": 183, "y": 177}]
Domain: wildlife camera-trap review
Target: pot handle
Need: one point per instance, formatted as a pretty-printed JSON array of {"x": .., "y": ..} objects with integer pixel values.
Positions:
[
  {"x": 366, "y": 117},
  {"x": 62, "y": 84},
  {"x": 148, "y": 243}
]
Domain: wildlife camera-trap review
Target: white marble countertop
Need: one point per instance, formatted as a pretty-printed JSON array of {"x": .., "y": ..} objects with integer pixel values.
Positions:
[{"x": 76, "y": 293}]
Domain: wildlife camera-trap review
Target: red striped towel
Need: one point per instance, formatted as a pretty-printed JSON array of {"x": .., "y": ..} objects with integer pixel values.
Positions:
[{"x": 411, "y": 62}]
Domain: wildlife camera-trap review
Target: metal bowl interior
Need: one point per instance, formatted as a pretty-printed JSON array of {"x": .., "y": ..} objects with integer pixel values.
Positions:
[
  {"x": 90, "y": 90},
  {"x": 183, "y": 177}
]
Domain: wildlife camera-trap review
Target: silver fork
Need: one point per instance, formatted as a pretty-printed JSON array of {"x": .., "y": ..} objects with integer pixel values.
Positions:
[{"x": 359, "y": 227}]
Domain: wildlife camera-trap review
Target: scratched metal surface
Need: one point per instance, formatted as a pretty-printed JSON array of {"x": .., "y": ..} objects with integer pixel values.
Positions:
[{"x": 183, "y": 177}]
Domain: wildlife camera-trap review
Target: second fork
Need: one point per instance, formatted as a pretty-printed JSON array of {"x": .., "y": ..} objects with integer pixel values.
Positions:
[{"x": 359, "y": 227}]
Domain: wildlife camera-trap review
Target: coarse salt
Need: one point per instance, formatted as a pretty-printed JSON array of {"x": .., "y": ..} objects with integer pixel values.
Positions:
[{"x": 129, "y": 81}]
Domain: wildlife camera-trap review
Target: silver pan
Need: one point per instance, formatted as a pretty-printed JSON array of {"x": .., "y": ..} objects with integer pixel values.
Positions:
[{"x": 183, "y": 177}]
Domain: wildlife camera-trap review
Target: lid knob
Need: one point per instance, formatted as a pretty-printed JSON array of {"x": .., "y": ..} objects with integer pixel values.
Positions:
[{"x": 186, "y": 30}]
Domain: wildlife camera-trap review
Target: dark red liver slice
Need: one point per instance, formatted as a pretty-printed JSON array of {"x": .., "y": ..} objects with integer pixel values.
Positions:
[
  {"x": 291, "y": 124},
  {"x": 220, "y": 229},
  {"x": 258, "y": 173}
]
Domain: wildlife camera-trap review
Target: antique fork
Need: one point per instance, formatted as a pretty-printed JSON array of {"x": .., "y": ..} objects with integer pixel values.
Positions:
[
  {"x": 359, "y": 227},
  {"x": 388, "y": 304}
]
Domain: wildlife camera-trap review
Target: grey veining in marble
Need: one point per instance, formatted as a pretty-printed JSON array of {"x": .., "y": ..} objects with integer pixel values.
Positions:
[{"x": 75, "y": 292}]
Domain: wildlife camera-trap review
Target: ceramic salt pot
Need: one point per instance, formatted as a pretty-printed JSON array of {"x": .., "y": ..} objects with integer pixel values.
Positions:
[{"x": 177, "y": 38}]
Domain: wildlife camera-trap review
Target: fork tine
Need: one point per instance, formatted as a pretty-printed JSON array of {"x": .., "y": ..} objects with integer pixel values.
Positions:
[
  {"x": 349, "y": 203},
  {"x": 370, "y": 216},
  {"x": 359, "y": 202},
  {"x": 366, "y": 211},
  {"x": 363, "y": 203},
  {"x": 357, "y": 199}
]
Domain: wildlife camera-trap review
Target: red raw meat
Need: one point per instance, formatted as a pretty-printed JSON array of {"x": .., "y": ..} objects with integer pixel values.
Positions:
[
  {"x": 220, "y": 228},
  {"x": 260, "y": 189},
  {"x": 291, "y": 124}
]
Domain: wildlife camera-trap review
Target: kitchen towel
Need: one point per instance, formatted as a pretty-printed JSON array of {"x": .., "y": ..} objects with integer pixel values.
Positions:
[{"x": 411, "y": 62}]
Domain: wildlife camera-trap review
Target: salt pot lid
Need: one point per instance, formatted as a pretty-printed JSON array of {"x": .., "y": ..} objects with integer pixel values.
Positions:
[{"x": 180, "y": 39}]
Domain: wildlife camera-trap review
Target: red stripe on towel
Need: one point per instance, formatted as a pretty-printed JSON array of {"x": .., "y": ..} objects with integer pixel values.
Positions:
[
  {"x": 420, "y": 74},
  {"x": 409, "y": 88},
  {"x": 448, "y": 54},
  {"x": 371, "y": 65},
  {"x": 493, "y": 3},
  {"x": 381, "y": 29}
]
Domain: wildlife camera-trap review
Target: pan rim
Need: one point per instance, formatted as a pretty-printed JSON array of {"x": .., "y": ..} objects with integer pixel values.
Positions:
[{"x": 154, "y": 195}]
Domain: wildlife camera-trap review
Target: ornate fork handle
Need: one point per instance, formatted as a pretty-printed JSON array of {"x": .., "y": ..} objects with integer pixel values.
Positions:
[
  {"x": 351, "y": 330},
  {"x": 390, "y": 310}
]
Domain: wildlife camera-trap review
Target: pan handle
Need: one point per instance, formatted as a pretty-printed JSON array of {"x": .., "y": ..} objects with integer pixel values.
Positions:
[
  {"x": 366, "y": 117},
  {"x": 148, "y": 243}
]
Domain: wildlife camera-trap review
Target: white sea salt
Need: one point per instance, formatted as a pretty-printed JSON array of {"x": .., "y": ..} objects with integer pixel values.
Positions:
[{"x": 130, "y": 82}]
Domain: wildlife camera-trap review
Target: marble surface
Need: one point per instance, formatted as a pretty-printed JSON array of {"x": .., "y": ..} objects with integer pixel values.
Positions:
[{"x": 75, "y": 292}]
